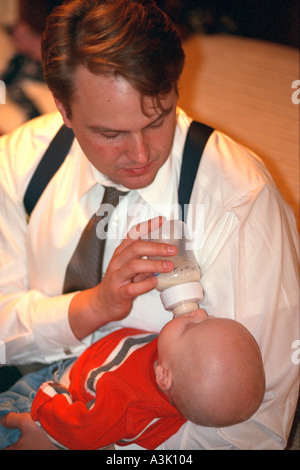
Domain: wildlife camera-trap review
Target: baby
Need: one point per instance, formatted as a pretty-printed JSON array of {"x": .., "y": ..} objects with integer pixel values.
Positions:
[
  {"x": 134, "y": 386},
  {"x": 211, "y": 369}
]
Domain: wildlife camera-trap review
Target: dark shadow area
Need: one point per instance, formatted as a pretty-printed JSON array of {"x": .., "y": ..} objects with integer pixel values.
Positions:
[{"x": 269, "y": 20}]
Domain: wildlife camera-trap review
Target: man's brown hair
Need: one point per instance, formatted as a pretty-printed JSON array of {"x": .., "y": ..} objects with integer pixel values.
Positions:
[{"x": 130, "y": 38}]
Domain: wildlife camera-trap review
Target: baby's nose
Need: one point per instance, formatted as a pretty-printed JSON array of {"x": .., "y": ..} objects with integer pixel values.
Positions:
[{"x": 200, "y": 314}]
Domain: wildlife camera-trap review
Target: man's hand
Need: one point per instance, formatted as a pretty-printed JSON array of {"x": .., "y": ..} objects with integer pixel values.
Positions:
[
  {"x": 129, "y": 274},
  {"x": 33, "y": 437}
]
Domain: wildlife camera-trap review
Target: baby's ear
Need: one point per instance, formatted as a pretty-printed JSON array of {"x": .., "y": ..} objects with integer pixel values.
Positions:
[{"x": 163, "y": 377}]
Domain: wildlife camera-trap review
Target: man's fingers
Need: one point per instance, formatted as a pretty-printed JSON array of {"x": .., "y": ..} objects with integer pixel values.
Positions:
[
  {"x": 145, "y": 228},
  {"x": 134, "y": 289},
  {"x": 140, "y": 231},
  {"x": 11, "y": 420},
  {"x": 135, "y": 267},
  {"x": 143, "y": 249},
  {"x": 32, "y": 437}
]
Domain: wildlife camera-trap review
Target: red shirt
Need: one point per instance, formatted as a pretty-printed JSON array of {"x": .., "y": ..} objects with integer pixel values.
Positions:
[{"x": 113, "y": 397}]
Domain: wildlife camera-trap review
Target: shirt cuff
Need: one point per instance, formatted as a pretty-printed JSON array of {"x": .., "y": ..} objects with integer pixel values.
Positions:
[{"x": 52, "y": 331}]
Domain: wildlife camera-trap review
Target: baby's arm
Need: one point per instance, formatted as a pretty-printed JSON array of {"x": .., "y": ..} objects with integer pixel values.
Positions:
[{"x": 75, "y": 424}]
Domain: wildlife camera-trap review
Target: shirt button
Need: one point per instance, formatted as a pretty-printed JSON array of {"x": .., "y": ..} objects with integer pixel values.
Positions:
[{"x": 67, "y": 351}]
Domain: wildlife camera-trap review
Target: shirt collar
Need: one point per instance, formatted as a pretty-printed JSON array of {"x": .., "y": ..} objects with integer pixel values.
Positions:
[{"x": 89, "y": 176}]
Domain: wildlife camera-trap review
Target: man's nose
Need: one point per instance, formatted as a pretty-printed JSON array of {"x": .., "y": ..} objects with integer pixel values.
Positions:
[{"x": 137, "y": 148}]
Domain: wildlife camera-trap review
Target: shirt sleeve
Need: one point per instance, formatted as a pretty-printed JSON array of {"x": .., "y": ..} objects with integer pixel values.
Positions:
[
  {"x": 77, "y": 425},
  {"x": 34, "y": 326}
]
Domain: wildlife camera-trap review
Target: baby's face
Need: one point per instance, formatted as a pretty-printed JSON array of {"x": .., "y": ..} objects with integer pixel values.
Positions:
[{"x": 175, "y": 333}]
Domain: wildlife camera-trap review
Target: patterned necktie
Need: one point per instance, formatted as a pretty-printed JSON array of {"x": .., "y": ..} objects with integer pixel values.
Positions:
[{"x": 85, "y": 267}]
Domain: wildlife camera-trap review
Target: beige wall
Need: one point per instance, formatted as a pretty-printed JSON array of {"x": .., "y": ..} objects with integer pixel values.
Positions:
[{"x": 8, "y": 11}]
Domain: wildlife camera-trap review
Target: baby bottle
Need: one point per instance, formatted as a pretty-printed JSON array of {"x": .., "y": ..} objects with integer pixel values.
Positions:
[{"x": 180, "y": 289}]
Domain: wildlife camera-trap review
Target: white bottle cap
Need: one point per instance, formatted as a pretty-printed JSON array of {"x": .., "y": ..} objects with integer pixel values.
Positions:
[{"x": 181, "y": 293}]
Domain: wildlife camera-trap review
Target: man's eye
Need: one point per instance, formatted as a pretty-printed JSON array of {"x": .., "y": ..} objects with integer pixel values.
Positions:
[
  {"x": 157, "y": 123},
  {"x": 110, "y": 135}
]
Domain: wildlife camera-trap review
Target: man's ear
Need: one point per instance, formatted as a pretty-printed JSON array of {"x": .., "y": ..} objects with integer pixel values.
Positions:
[
  {"x": 163, "y": 377},
  {"x": 63, "y": 112}
]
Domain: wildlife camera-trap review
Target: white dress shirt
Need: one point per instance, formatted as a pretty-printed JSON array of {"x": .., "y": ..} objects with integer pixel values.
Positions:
[{"x": 246, "y": 246}]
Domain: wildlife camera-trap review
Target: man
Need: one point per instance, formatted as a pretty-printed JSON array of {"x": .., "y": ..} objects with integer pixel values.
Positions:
[{"x": 113, "y": 68}]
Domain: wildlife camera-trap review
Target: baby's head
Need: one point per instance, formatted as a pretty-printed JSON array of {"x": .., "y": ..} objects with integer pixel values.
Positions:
[{"x": 210, "y": 368}]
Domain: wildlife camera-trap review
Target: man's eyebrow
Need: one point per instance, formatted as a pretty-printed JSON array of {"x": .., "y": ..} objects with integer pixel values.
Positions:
[
  {"x": 102, "y": 129},
  {"x": 165, "y": 113}
]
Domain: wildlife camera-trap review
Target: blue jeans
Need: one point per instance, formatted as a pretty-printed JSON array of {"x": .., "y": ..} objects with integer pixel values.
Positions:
[{"x": 20, "y": 396}]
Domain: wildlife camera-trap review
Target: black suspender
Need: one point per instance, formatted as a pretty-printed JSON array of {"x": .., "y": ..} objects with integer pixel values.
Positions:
[
  {"x": 196, "y": 139},
  {"x": 48, "y": 166},
  {"x": 58, "y": 149}
]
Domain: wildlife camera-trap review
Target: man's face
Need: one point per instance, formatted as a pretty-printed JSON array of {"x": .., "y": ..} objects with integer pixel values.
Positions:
[{"x": 119, "y": 139}]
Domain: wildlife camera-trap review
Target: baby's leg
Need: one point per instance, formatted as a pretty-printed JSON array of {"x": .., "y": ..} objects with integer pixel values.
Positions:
[{"x": 20, "y": 396}]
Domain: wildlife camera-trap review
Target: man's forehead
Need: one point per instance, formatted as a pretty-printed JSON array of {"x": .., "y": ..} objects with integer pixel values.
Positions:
[{"x": 112, "y": 81}]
